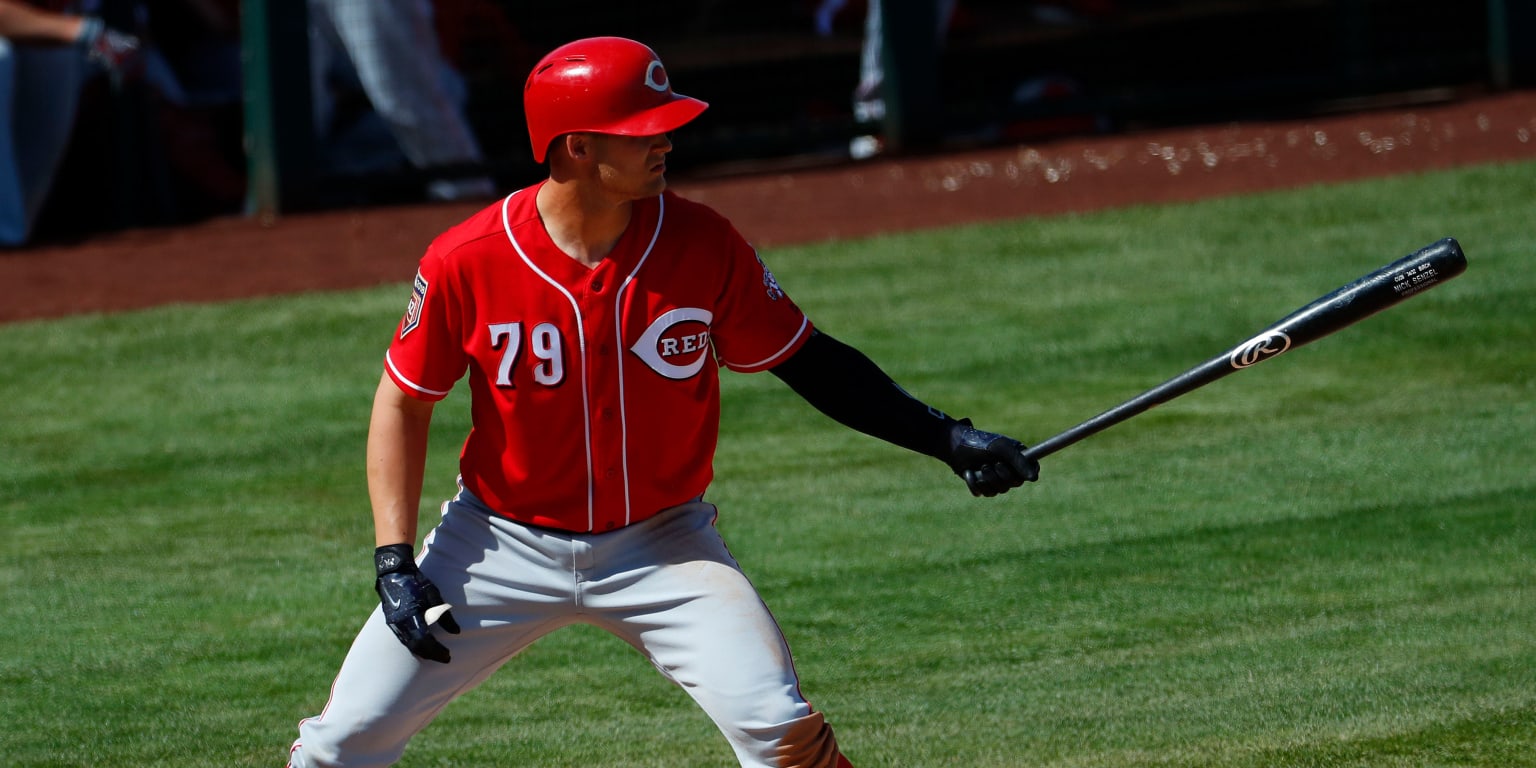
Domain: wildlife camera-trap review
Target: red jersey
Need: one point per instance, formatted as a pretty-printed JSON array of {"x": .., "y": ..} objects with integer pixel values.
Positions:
[{"x": 595, "y": 393}]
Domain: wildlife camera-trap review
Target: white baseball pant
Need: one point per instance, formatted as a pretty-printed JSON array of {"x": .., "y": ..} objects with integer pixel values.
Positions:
[{"x": 667, "y": 586}]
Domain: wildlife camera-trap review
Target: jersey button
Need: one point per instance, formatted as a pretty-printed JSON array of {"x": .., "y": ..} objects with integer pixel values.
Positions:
[{"x": 597, "y": 285}]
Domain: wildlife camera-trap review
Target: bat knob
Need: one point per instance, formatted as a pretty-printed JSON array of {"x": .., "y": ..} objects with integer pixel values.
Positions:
[{"x": 436, "y": 612}]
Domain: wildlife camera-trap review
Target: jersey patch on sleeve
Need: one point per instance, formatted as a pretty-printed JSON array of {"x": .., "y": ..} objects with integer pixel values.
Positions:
[
  {"x": 413, "y": 309},
  {"x": 770, "y": 284}
]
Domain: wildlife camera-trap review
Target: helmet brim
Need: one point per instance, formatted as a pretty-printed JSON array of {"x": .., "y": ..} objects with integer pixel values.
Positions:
[{"x": 662, "y": 118}]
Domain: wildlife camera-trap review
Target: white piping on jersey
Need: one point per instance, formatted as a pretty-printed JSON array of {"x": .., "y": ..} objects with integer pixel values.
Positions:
[
  {"x": 400, "y": 377},
  {"x": 581, "y": 343},
  {"x": 619, "y": 350}
]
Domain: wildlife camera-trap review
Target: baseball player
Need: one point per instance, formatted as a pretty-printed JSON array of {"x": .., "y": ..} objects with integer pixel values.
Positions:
[{"x": 590, "y": 314}]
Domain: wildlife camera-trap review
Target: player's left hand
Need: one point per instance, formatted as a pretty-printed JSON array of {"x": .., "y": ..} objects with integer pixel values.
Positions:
[
  {"x": 989, "y": 463},
  {"x": 405, "y": 595}
]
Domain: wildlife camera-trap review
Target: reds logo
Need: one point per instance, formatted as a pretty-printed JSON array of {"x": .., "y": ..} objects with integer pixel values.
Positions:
[
  {"x": 656, "y": 77},
  {"x": 676, "y": 345}
]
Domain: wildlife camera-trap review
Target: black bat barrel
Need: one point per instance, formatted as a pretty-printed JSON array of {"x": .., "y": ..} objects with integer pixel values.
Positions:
[{"x": 1413, "y": 274}]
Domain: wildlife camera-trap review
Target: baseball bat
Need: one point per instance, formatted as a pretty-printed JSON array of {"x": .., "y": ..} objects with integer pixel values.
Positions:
[{"x": 1409, "y": 276}]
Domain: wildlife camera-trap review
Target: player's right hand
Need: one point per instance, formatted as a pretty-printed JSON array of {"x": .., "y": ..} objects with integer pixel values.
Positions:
[{"x": 405, "y": 595}]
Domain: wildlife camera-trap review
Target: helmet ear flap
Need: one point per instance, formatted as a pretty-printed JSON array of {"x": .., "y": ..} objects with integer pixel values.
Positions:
[{"x": 607, "y": 85}]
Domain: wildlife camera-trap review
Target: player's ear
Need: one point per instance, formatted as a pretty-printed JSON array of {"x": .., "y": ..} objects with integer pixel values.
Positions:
[
  {"x": 578, "y": 145},
  {"x": 561, "y": 146}
]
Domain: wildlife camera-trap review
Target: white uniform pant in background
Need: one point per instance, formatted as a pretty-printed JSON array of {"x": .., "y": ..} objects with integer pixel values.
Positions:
[
  {"x": 667, "y": 586},
  {"x": 392, "y": 48},
  {"x": 39, "y": 95}
]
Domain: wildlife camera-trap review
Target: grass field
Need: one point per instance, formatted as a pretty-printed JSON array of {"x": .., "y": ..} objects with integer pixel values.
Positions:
[{"x": 1324, "y": 561}]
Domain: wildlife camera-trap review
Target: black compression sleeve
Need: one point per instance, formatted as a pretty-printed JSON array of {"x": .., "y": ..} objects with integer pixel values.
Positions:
[{"x": 847, "y": 386}]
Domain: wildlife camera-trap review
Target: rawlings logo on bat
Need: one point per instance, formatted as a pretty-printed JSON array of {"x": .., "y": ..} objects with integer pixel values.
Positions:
[{"x": 1259, "y": 348}]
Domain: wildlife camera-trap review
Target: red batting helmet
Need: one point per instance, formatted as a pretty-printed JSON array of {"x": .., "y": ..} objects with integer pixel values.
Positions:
[{"x": 602, "y": 85}]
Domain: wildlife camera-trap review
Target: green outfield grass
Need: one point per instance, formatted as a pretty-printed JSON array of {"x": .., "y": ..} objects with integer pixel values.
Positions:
[{"x": 1324, "y": 561}]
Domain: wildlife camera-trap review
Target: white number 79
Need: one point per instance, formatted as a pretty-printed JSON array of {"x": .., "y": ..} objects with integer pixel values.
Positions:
[{"x": 543, "y": 342}]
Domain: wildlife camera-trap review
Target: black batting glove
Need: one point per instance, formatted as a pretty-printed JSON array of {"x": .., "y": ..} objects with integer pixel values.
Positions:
[
  {"x": 989, "y": 463},
  {"x": 405, "y": 596}
]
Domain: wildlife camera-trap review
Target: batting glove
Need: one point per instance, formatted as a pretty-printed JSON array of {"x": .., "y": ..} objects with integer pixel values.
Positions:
[
  {"x": 405, "y": 595},
  {"x": 989, "y": 463},
  {"x": 116, "y": 52}
]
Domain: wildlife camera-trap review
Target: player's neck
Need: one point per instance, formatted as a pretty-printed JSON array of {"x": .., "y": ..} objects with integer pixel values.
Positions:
[{"x": 584, "y": 227}]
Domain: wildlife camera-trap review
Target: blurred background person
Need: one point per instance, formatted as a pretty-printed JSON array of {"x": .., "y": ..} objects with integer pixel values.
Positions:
[
  {"x": 388, "y": 50},
  {"x": 194, "y": 105},
  {"x": 47, "y": 54}
]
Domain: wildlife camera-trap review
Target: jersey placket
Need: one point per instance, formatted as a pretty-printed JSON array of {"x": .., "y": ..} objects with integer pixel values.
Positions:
[{"x": 610, "y": 491}]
